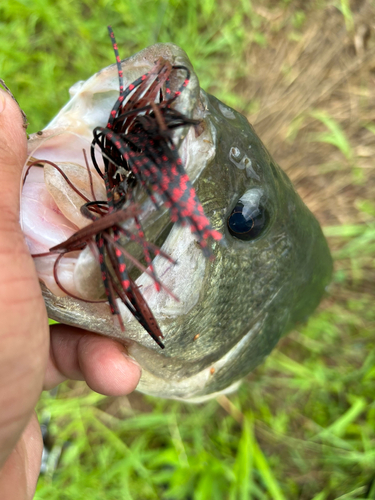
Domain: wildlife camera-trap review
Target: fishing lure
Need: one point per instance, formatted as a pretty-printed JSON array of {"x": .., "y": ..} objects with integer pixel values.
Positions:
[{"x": 137, "y": 152}]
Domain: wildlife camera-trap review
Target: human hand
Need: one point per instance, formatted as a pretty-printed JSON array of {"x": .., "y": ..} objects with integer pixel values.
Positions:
[{"x": 32, "y": 358}]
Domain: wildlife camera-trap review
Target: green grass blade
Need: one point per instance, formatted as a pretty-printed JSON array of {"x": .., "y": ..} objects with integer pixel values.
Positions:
[
  {"x": 266, "y": 474},
  {"x": 244, "y": 461},
  {"x": 336, "y": 135},
  {"x": 339, "y": 427}
]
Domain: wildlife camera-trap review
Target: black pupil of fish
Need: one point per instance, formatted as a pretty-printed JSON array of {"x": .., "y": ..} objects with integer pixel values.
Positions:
[{"x": 249, "y": 227}]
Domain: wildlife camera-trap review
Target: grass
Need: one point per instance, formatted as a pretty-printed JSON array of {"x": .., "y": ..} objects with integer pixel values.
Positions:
[
  {"x": 302, "y": 426},
  {"x": 47, "y": 46}
]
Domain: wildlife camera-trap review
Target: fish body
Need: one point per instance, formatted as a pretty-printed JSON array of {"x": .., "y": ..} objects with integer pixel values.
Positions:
[{"x": 232, "y": 309}]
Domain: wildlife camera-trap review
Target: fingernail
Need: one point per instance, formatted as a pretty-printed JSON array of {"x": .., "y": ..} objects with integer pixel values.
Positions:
[
  {"x": 131, "y": 360},
  {"x": 2, "y": 100}
]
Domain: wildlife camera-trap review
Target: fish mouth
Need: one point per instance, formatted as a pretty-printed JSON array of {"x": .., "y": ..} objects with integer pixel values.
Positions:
[{"x": 63, "y": 141}]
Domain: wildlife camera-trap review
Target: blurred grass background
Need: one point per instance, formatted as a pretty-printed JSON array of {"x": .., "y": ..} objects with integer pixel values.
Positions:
[{"x": 302, "y": 426}]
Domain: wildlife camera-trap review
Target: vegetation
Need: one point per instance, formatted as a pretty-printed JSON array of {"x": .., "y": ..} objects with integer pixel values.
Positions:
[{"x": 302, "y": 426}]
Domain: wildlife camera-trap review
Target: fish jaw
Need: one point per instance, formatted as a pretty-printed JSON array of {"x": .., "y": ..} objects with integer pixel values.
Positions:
[{"x": 232, "y": 310}]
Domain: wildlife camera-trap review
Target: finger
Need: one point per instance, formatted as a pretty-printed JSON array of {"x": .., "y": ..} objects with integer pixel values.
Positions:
[
  {"x": 23, "y": 326},
  {"x": 20, "y": 473},
  {"x": 103, "y": 363},
  {"x": 13, "y": 153}
]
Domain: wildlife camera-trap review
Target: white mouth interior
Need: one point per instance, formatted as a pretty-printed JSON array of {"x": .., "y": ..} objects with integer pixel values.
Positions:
[{"x": 50, "y": 210}]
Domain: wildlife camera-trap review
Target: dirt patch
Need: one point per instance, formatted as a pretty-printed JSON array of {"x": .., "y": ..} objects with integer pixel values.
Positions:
[{"x": 329, "y": 66}]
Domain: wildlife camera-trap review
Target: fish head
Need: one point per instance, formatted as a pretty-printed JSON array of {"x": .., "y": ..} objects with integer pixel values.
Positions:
[{"x": 267, "y": 273}]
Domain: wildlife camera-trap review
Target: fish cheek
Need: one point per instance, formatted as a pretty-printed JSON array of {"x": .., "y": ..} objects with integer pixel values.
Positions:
[
  {"x": 240, "y": 284},
  {"x": 243, "y": 276},
  {"x": 237, "y": 294}
]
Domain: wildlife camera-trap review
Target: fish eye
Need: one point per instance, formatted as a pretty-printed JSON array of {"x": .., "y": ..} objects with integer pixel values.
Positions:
[{"x": 249, "y": 217}]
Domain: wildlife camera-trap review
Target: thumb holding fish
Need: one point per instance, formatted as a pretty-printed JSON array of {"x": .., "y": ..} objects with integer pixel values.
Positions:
[
  {"x": 29, "y": 359},
  {"x": 23, "y": 321}
]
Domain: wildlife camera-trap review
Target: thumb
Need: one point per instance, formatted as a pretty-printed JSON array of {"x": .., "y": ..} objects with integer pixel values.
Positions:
[
  {"x": 13, "y": 151},
  {"x": 23, "y": 320}
]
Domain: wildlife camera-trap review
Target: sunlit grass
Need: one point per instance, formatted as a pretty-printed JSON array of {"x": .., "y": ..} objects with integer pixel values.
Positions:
[
  {"x": 46, "y": 46},
  {"x": 308, "y": 412}
]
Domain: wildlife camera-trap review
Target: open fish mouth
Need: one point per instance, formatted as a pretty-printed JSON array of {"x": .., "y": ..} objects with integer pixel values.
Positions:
[
  {"x": 269, "y": 272},
  {"x": 137, "y": 172}
]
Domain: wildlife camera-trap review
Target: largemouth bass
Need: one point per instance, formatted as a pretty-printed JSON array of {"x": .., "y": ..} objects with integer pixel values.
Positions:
[{"x": 269, "y": 270}]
